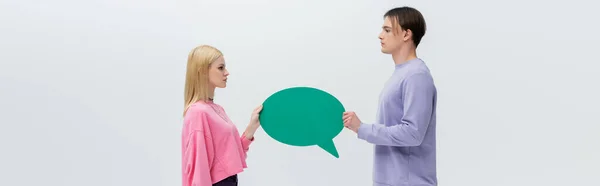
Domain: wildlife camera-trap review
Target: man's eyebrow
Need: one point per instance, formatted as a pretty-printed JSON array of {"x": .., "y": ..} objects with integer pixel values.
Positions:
[{"x": 386, "y": 27}]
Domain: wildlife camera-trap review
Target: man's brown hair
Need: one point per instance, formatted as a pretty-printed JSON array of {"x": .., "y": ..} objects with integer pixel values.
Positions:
[{"x": 408, "y": 18}]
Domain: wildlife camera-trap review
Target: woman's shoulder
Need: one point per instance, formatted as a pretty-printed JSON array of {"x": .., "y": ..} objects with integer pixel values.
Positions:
[
  {"x": 196, "y": 116},
  {"x": 197, "y": 109}
]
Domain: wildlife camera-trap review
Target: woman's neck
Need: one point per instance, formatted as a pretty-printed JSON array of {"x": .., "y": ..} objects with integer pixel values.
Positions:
[{"x": 211, "y": 94}]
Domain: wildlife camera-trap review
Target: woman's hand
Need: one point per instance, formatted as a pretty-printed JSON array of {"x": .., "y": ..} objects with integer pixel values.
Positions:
[
  {"x": 254, "y": 119},
  {"x": 254, "y": 123}
]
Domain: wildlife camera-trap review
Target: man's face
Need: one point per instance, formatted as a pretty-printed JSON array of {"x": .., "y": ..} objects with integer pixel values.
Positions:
[{"x": 390, "y": 41}]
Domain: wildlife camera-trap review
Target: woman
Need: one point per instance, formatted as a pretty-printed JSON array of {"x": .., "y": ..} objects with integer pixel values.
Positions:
[{"x": 213, "y": 152}]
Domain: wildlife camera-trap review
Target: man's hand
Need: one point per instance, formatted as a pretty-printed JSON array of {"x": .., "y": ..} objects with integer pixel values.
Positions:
[{"x": 351, "y": 121}]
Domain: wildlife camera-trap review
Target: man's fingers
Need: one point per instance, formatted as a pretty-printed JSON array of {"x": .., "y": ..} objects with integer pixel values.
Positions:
[
  {"x": 347, "y": 121},
  {"x": 349, "y": 116}
]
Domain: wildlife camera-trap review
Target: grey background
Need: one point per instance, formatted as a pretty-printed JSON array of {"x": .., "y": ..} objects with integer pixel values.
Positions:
[{"x": 91, "y": 91}]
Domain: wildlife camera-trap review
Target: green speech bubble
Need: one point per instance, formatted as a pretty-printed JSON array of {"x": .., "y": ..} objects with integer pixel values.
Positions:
[{"x": 303, "y": 116}]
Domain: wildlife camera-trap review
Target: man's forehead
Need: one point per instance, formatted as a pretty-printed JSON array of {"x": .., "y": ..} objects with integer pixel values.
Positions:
[{"x": 387, "y": 23}]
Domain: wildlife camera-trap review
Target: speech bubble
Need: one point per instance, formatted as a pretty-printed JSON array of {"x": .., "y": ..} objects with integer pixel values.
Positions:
[{"x": 303, "y": 116}]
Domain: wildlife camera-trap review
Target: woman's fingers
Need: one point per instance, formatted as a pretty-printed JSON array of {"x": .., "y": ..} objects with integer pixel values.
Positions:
[{"x": 258, "y": 109}]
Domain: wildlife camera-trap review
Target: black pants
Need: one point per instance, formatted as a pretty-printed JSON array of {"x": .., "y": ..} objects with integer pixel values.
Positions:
[{"x": 229, "y": 181}]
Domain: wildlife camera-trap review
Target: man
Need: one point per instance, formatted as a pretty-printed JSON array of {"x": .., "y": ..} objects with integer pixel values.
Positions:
[{"x": 404, "y": 135}]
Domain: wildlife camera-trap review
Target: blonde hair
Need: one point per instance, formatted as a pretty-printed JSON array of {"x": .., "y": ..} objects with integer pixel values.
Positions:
[{"x": 196, "y": 78}]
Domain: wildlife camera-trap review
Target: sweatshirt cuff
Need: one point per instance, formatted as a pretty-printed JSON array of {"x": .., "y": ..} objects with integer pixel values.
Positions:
[
  {"x": 364, "y": 130},
  {"x": 245, "y": 142}
]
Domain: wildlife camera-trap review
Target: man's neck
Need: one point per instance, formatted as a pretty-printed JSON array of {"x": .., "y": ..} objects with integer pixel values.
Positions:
[{"x": 404, "y": 55}]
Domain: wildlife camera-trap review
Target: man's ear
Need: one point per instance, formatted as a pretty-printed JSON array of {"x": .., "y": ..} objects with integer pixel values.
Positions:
[{"x": 407, "y": 35}]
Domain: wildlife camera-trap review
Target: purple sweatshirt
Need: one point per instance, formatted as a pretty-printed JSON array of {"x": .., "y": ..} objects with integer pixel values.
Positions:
[{"x": 404, "y": 135}]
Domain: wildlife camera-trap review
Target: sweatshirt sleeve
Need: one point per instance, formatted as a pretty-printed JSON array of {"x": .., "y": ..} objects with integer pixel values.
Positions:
[
  {"x": 246, "y": 143},
  {"x": 198, "y": 156},
  {"x": 418, "y": 94}
]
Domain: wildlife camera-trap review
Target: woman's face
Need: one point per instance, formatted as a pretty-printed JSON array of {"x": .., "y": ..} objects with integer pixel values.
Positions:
[{"x": 217, "y": 73}]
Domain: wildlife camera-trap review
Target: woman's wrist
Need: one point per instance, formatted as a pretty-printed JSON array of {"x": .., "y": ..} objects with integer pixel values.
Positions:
[
  {"x": 249, "y": 135},
  {"x": 250, "y": 130}
]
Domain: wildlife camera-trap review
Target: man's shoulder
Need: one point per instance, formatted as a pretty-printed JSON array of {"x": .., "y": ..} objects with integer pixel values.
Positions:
[
  {"x": 415, "y": 67},
  {"x": 419, "y": 76}
]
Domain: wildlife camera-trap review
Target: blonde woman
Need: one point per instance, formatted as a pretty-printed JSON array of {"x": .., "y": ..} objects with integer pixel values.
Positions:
[{"x": 213, "y": 151}]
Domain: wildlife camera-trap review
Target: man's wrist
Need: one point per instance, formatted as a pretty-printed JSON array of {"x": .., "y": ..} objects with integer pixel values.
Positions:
[
  {"x": 362, "y": 130},
  {"x": 357, "y": 127}
]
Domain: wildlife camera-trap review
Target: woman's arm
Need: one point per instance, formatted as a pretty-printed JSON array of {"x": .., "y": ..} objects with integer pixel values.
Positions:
[
  {"x": 248, "y": 135},
  {"x": 198, "y": 152},
  {"x": 250, "y": 130},
  {"x": 197, "y": 161}
]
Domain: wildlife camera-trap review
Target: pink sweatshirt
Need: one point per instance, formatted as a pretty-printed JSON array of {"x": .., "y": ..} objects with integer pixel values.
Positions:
[{"x": 212, "y": 148}]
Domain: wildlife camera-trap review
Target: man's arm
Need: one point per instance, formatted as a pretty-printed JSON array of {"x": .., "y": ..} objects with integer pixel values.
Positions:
[{"x": 418, "y": 94}]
